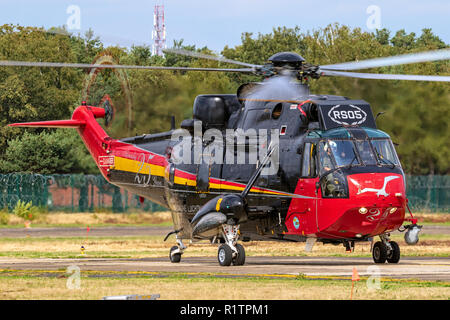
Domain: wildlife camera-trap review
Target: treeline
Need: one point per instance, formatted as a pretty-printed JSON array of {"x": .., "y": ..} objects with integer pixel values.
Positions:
[{"x": 416, "y": 113}]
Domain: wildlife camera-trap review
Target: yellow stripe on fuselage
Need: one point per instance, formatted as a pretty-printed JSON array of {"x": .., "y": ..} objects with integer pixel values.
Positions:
[
  {"x": 184, "y": 181},
  {"x": 134, "y": 166},
  {"x": 129, "y": 165}
]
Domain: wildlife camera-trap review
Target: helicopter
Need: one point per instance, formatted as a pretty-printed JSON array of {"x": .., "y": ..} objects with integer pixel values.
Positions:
[{"x": 272, "y": 162}]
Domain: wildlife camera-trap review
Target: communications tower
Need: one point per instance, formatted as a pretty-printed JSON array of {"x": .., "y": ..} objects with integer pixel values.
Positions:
[{"x": 159, "y": 30}]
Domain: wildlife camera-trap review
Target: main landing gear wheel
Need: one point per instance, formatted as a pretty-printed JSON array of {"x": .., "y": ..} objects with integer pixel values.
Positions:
[
  {"x": 383, "y": 252},
  {"x": 230, "y": 251},
  {"x": 239, "y": 259},
  {"x": 394, "y": 254},
  {"x": 224, "y": 255},
  {"x": 379, "y": 252}
]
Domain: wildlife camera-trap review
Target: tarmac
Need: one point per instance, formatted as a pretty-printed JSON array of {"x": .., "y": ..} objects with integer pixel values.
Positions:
[
  {"x": 420, "y": 268},
  {"x": 412, "y": 268}
]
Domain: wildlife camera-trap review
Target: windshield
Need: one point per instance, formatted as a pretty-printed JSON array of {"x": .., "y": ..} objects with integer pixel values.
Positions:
[
  {"x": 365, "y": 152},
  {"x": 335, "y": 153},
  {"x": 385, "y": 151}
]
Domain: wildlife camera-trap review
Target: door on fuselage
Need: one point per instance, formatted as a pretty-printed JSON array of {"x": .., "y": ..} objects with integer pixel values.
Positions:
[
  {"x": 303, "y": 210},
  {"x": 209, "y": 169}
]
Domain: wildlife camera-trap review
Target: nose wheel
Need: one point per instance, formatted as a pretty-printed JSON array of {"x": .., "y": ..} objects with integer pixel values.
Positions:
[
  {"x": 175, "y": 254},
  {"x": 176, "y": 251}
]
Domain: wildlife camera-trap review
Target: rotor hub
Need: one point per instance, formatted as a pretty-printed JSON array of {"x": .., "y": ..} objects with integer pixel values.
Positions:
[{"x": 282, "y": 59}]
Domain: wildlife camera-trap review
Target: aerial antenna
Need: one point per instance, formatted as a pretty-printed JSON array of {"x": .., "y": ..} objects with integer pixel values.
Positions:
[{"x": 159, "y": 30}]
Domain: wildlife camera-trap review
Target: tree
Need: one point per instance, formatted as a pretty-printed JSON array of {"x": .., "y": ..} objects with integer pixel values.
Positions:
[
  {"x": 56, "y": 151},
  {"x": 416, "y": 112}
]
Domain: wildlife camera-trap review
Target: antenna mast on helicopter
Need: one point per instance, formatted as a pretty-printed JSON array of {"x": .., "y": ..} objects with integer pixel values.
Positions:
[{"x": 159, "y": 30}]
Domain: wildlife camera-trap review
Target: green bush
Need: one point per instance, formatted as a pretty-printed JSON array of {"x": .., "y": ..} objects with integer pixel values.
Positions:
[
  {"x": 26, "y": 210},
  {"x": 4, "y": 216}
]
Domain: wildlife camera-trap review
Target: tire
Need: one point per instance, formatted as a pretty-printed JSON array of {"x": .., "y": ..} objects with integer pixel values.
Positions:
[
  {"x": 394, "y": 255},
  {"x": 224, "y": 255},
  {"x": 240, "y": 258},
  {"x": 174, "y": 257},
  {"x": 379, "y": 252}
]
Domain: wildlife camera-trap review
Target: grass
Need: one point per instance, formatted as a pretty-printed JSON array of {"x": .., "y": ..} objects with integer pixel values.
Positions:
[
  {"x": 96, "y": 285},
  {"x": 50, "y": 220},
  {"x": 433, "y": 218}
]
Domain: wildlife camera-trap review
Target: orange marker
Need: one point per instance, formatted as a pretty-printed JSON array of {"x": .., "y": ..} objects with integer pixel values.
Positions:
[{"x": 355, "y": 277}]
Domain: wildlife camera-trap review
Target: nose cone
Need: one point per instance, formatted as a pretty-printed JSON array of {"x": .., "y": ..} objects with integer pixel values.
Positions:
[{"x": 376, "y": 204}]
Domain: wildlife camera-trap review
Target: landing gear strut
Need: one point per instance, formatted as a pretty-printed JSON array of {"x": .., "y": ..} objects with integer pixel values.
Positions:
[
  {"x": 386, "y": 250},
  {"x": 231, "y": 251}
]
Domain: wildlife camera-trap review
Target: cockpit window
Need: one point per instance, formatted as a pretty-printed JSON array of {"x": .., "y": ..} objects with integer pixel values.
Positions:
[
  {"x": 341, "y": 151},
  {"x": 344, "y": 152},
  {"x": 325, "y": 157},
  {"x": 334, "y": 153},
  {"x": 384, "y": 151},
  {"x": 365, "y": 152}
]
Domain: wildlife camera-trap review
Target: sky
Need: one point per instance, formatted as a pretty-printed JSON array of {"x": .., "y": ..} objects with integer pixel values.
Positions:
[{"x": 216, "y": 23}]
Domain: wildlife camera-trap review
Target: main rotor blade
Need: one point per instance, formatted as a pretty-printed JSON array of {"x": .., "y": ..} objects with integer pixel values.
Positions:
[
  {"x": 443, "y": 54},
  {"x": 110, "y": 66},
  {"x": 383, "y": 76},
  {"x": 209, "y": 57}
]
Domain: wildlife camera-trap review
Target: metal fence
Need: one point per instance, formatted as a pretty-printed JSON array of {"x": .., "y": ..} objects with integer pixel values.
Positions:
[
  {"x": 69, "y": 192},
  {"x": 89, "y": 193},
  {"x": 428, "y": 193}
]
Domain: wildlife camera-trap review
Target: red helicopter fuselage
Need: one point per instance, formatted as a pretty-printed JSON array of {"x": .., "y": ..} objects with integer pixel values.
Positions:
[{"x": 372, "y": 199}]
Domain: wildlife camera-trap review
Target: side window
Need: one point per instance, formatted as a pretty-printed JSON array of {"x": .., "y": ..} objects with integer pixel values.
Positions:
[{"x": 308, "y": 161}]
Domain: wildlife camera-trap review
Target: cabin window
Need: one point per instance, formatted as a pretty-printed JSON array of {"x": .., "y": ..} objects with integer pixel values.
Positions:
[
  {"x": 276, "y": 112},
  {"x": 308, "y": 161}
]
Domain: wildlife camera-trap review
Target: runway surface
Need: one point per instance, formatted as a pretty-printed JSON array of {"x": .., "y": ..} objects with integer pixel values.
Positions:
[{"x": 423, "y": 268}]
